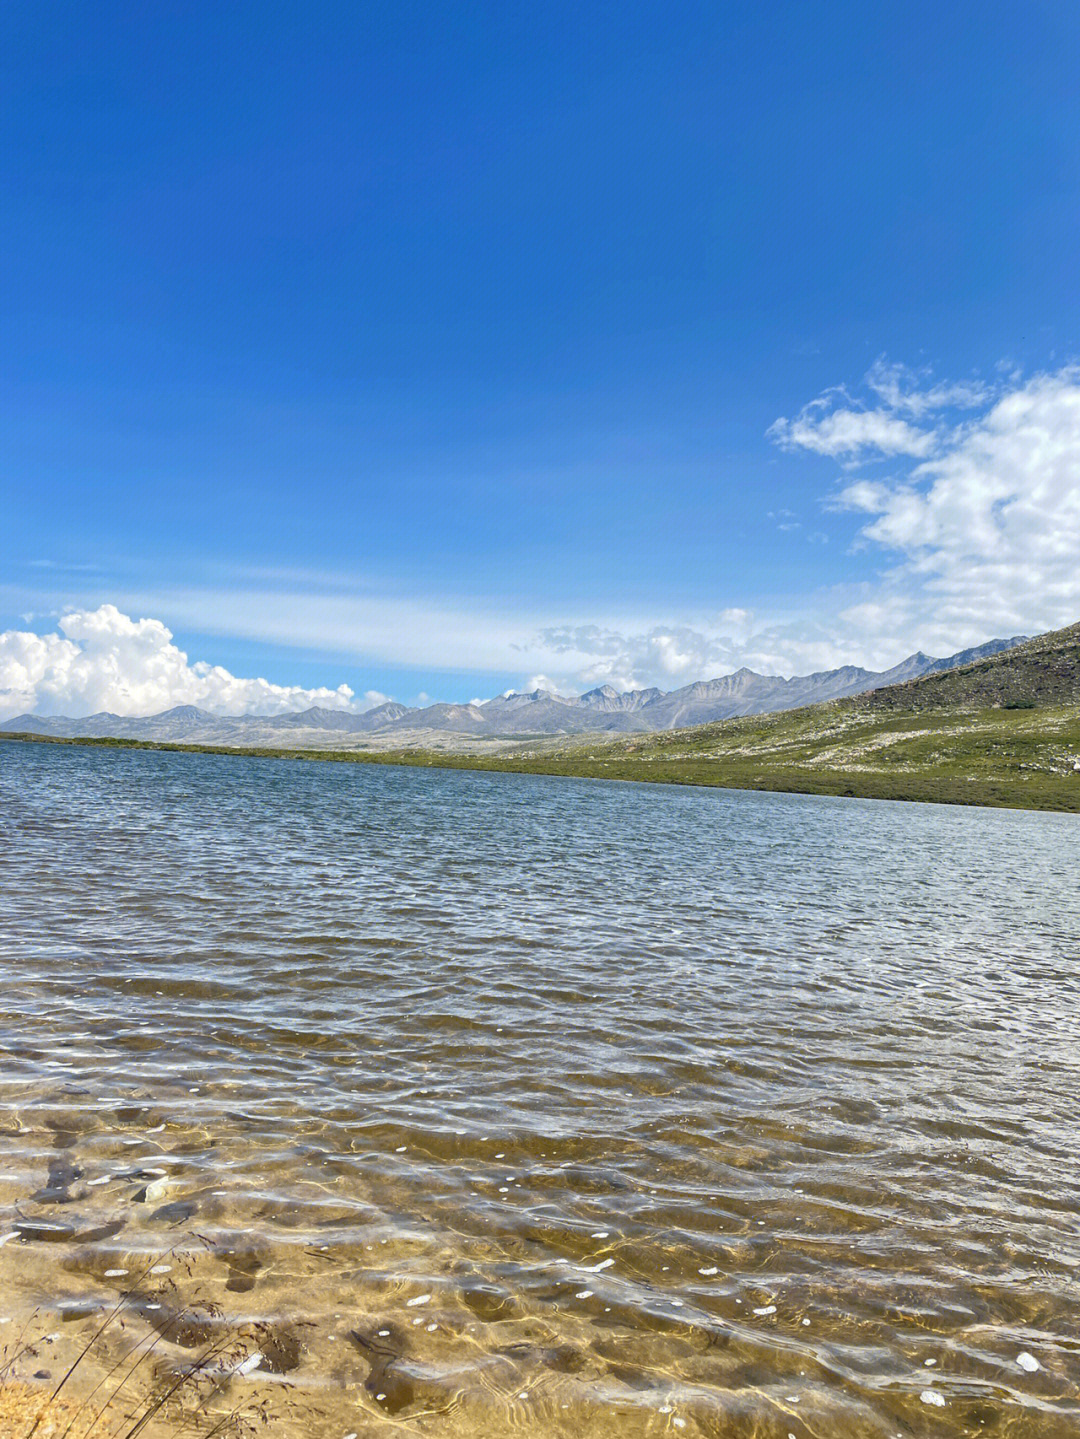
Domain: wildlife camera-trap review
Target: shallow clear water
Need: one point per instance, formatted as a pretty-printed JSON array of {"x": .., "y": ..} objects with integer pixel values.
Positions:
[{"x": 524, "y": 1103}]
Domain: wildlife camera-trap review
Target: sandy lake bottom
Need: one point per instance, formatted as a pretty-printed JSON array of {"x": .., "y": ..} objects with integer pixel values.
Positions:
[{"x": 433, "y": 1103}]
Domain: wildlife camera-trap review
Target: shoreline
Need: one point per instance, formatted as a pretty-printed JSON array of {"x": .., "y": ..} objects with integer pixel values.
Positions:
[{"x": 1053, "y": 793}]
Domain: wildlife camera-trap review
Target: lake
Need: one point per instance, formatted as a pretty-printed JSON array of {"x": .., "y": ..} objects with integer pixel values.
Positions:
[{"x": 502, "y": 1102}]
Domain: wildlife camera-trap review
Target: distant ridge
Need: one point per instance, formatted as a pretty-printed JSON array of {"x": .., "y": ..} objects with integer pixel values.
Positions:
[
  {"x": 1035, "y": 673},
  {"x": 541, "y": 713}
]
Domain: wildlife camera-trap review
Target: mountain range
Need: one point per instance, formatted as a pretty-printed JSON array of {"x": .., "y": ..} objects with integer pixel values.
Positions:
[{"x": 509, "y": 718}]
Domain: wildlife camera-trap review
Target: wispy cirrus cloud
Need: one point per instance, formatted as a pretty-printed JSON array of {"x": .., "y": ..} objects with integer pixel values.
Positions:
[{"x": 889, "y": 418}]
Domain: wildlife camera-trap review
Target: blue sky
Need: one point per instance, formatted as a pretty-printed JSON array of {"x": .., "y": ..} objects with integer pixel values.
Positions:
[{"x": 438, "y": 349}]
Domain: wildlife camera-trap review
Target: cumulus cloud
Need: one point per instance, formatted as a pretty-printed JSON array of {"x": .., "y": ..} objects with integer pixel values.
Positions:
[
  {"x": 671, "y": 656},
  {"x": 985, "y": 528},
  {"x": 102, "y": 659}
]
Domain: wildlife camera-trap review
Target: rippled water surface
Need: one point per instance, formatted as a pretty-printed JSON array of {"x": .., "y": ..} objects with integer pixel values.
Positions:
[{"x": 512, "y": 1103}]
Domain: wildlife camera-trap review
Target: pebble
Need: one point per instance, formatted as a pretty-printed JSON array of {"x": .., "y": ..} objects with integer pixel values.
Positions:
[
  {"x": 1028, "y": 1362},
  {"x": 420, "y": 1299},
  {"x": 766, "y": 1309},
  {"x": 931, "y": 1396}
]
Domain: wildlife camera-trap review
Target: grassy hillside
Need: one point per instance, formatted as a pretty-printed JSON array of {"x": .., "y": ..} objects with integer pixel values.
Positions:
[
  {"x": 1002, "y": 731},
  {"x": 1042, "y": 671}
]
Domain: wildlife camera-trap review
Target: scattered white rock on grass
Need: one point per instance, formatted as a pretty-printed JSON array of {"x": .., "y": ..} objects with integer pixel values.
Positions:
[
  {"x": 931, "y": 1396},
  {"x": 1028, "y": 1362}
]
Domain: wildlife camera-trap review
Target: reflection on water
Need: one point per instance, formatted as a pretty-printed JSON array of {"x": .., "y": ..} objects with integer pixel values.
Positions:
[{"x": 514, "y": 1103}]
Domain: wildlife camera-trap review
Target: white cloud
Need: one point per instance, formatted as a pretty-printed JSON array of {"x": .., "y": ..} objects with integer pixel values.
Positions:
[
  {"x": 104, "y": 660},
  {"x": 985, "y": 528},
  {"x": 910, "y": 391},
  {"x": 976, "y": 521},
  {"x": 988, "y": 530},
  {"x": 851, "y": 434},
  {"x": 889, "y": 421},
  {"x": 671, "y": 656}
]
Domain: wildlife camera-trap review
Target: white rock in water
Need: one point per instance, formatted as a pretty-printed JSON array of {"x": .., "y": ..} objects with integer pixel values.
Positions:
[
  {"x": 931, "y": 1396},
  {"x": 766, "y": 1309},
  {"x": 420, "y": 1299},
  {"x": 1028, "y": 1362},
  {"x": 249, "y": 1365}
]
